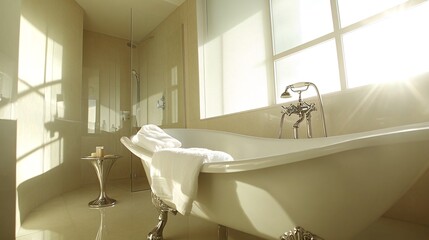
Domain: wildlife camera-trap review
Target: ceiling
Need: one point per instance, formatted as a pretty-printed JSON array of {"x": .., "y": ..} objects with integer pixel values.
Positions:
[{"x": 113, "y": 17}]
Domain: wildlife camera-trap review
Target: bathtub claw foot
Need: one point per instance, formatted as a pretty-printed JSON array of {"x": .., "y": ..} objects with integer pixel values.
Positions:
[
  {"x": 164, "y": 209},
  {"x": 156, "y": 233},
  {"x": 299, "y": 233}
]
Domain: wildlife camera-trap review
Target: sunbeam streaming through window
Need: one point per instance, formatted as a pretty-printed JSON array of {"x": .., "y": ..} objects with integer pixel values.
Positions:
[
  {"x": 394, "y": 49},
  {"x": 40, "y": 91}
]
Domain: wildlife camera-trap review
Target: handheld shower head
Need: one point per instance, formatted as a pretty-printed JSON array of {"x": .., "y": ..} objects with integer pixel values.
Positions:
[
  {"x": 296, "y": 87},
  {"x": 286, "y": 93}
]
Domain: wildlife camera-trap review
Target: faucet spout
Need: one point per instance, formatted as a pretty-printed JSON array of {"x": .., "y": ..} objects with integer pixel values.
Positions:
[{"x": 296, "y": 125}]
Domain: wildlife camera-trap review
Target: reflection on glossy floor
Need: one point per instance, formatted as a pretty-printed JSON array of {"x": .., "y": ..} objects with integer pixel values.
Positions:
[
  {"x": 139, "y": 184},
  {"x": 68, "y": 217}
]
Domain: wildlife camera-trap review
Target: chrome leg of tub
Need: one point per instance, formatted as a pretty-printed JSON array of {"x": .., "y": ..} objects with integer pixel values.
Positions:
[
  {"x": 299, "y": 233},
  {"x": 164, "y": 209},
  {"x": 222, "y": 232}
]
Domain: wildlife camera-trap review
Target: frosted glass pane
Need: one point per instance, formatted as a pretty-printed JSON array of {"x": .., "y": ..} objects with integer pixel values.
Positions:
[
  {"x": 352, "y": 11},
  {"x": 317, "y": 64},
  {"x": 237, "y": 57},
  {"x": 299, "y": 21},
  {"x": 389, "y": 50}
]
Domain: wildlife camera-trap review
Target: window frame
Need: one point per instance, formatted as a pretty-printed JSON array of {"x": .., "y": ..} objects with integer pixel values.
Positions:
[{"x": 337, "y": 35}]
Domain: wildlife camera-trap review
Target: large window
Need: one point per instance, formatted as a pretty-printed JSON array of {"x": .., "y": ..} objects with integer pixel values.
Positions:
[
  {"x": 348, "y": 43},
  {"x": 336, "y": 44}
]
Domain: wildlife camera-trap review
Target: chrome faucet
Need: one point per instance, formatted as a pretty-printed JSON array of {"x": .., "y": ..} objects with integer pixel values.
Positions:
[{"x": 302, "y": 109}]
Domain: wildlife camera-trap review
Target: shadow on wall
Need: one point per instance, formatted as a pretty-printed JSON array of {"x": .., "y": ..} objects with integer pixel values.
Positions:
[
  {"x": 54, "y": 167},
  {"x": 48, "y": 99}
]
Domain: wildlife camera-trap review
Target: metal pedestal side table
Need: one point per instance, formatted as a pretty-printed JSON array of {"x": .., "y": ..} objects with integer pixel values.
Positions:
[{"x": 102, "y": 166}]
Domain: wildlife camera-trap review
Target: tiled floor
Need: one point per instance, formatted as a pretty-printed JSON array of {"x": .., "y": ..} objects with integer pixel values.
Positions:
[{"x": 68, "y": 217}]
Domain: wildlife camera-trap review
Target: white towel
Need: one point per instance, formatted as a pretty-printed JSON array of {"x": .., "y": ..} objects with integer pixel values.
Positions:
[
  {"x": 153, "y": 138},
  {"x": 174, "y": 174}
]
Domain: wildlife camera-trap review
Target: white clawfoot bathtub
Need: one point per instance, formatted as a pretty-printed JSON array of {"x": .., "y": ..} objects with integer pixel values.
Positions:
[{"x": 333, "y": 187}]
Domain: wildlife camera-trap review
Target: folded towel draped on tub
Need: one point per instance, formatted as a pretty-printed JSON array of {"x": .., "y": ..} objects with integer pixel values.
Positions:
[
  {"x": 153, "y": 138},
  {"x": 174, "y": 174},
  {"x": 173, "y": 170}
]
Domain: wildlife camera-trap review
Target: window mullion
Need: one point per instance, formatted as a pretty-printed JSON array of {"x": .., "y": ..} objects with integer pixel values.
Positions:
[
  {"x": 339, "y": 43},
  {"x": 303, "y": 46}
]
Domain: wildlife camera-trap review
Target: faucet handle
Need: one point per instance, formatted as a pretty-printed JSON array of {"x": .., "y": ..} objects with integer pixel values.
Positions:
[{"x": 291, "y": 109}]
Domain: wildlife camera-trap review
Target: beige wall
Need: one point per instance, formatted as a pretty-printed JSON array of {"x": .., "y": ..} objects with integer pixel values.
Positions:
[
  {"x": 9, "y": 27},
  {"x": 161, "y": 58},
  {"x": 106, "y": 78},
  {"x": 355, "y": 110},
  {"x": 47, "y": 108}
]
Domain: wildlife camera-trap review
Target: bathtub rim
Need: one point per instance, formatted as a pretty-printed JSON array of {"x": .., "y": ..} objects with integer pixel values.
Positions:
[
  {"x": 319, "y": 146},
  {"x": 324, "y": 146}
]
